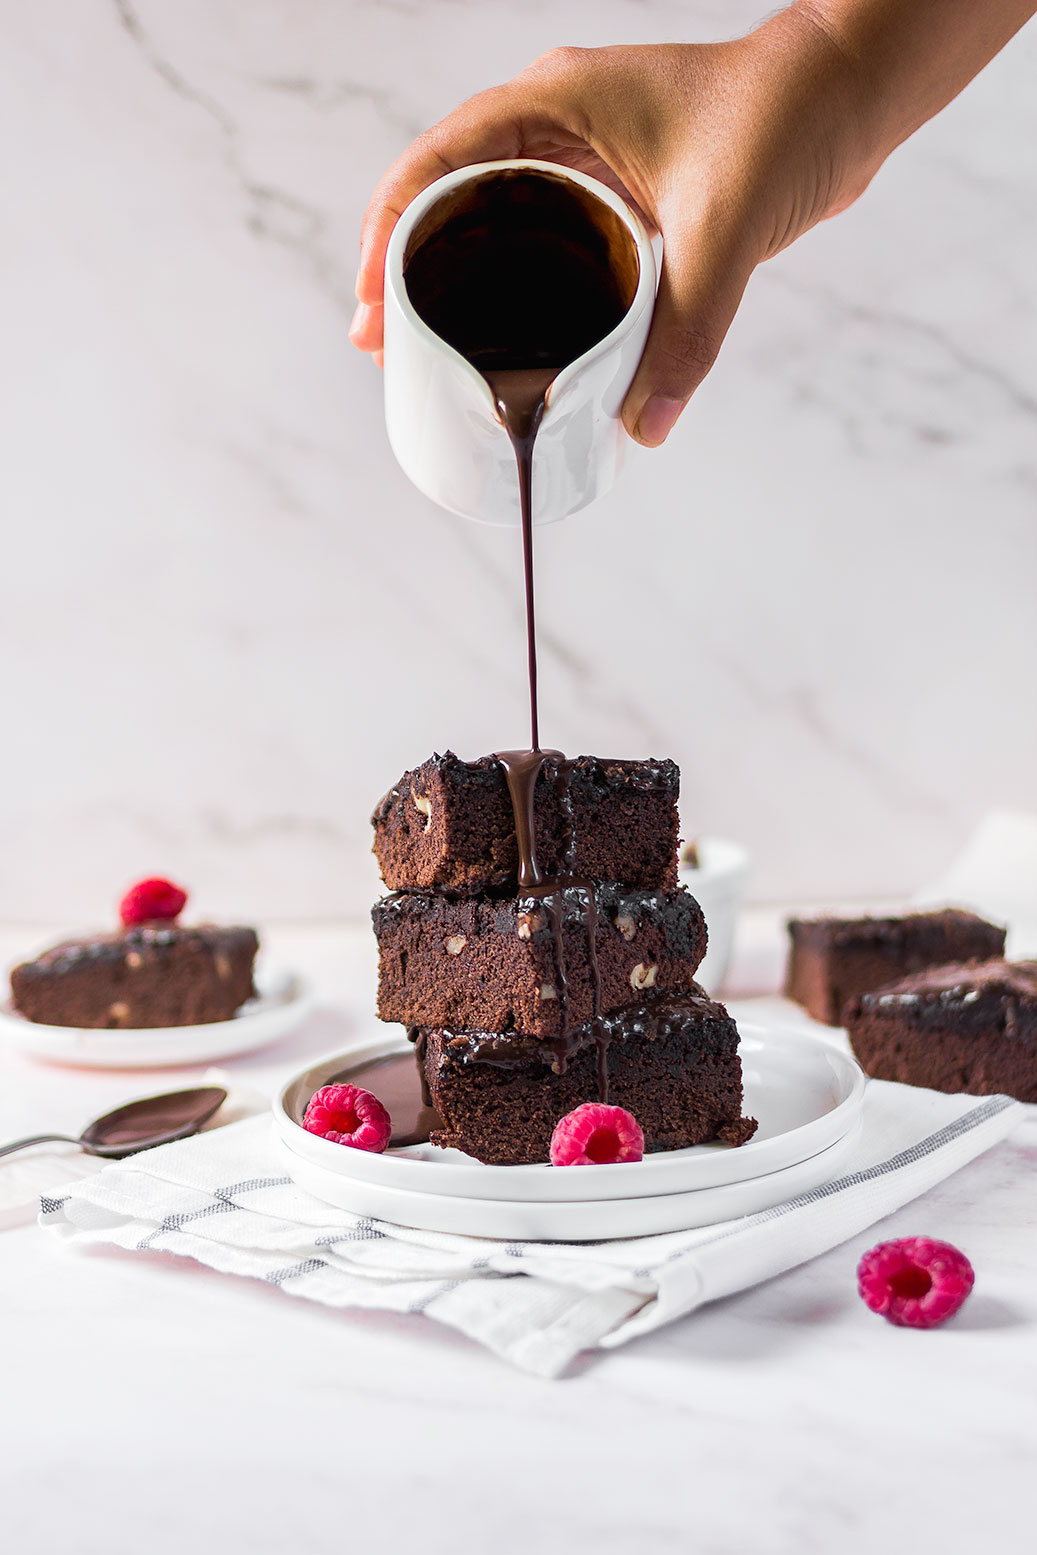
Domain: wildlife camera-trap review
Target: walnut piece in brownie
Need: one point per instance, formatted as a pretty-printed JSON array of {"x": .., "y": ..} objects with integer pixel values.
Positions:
[
  {"x": 148, "y": 975},
  {"x": 832, "y": 960},
  {"x": 953, "y": 1028},
  {"x": 449, "y": 824},
  {"x": 529, "y": 963},
  {"x": 671, "y": 1061}
]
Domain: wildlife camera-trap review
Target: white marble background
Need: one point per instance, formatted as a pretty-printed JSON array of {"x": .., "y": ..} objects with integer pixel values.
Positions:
[{"x": 227, "y": 623}]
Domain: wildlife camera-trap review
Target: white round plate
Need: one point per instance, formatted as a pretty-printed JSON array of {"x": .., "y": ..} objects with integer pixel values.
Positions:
[
  {"x": 598, "y": 1220},
  {"x": 806, "y": 1094},
  {"x": 282, "y": 1002}
]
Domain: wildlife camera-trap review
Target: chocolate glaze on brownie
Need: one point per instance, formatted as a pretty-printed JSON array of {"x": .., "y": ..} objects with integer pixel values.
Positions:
[
  {"x": 149, "y": 975},
  {"x": 832, "y": 960},
  {"x": 540, "y": 963},
  {"x": 672, "y": 1061},
  {"x": 450, "y": 824},
  {"x": 953, "y": 1028}
]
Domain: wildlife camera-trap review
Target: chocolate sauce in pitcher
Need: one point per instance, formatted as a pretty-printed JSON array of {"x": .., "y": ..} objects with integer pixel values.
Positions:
[{"x": 522, "y": 272}]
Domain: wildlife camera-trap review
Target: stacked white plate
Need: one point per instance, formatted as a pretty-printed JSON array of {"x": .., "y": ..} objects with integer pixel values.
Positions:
[{"x": 806, "y": 1094}]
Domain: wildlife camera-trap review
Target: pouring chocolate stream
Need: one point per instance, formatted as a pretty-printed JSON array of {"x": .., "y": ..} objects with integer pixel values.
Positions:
[{"x": 519, "y": 274}]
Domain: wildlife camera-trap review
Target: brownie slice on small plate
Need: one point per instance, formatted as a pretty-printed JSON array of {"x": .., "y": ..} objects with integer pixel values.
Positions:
[
  {"x": 966, "y": 1028},
  {"x": 145, "y": 976},
  {"x": 832, "y": 960}
]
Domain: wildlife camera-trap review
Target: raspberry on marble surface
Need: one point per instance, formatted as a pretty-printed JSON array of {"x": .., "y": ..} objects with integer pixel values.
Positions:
[{"x": 915, "y": 1282}]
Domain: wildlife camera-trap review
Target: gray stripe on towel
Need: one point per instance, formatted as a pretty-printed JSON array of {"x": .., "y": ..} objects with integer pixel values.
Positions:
[
  {"x": 249, "y": 1186},
  {"x": 223, "y": 1201},
  {"x": 423, "y": 1303},
  {"x": 293, "y": 1270},
  {"x": 365, "y": 1230},
  {"x": 826, "y": 1190}
]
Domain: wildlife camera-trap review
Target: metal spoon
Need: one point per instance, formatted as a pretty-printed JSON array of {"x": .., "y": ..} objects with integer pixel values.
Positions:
[{"x": 157, "y": 1120}]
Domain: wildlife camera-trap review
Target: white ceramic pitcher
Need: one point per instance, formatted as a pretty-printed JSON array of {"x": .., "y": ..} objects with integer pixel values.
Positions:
[{"x": 439, "y": 412}]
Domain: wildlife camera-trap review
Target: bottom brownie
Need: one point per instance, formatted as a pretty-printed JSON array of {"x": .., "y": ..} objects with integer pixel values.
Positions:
[
  {"x": 966, "y": 1028},
  {"x": 672, "y": 1062}
]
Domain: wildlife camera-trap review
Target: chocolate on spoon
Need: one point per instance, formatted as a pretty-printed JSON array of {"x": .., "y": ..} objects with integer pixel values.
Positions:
[{"x": 139, "y": 1125}]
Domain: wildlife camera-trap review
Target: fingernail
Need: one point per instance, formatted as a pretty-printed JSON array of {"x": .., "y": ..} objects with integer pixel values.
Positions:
[
  {"x": 656, "y": 420},
  {"x": 357, "y": 320}
]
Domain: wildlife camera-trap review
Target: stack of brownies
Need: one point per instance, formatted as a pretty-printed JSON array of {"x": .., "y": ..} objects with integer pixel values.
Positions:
[{"x": 524, "y": 1003}]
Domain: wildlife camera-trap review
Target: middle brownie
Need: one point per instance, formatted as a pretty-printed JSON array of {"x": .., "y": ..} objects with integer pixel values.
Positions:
[{"x": 530, "y": 964}]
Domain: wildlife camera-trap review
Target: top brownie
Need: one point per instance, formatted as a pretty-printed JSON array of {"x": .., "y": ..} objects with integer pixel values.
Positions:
[
  {"x": 449, "y": 825},
  {"x": 833, "y": 960}
]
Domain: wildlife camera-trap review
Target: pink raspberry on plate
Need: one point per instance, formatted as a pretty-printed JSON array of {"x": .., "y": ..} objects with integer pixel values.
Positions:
[
  {"x": 915, "y": 1282},
  {"x": 347, "y": 1115},
  {"x": 594, "y": 1134}
]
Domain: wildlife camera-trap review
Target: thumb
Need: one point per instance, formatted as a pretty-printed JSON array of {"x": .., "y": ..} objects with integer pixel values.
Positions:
[{"x": 703, "y": 277}]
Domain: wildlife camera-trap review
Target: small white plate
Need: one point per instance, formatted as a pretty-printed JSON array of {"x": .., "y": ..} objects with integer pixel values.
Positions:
[
  {"x": 599, "y": 1220},
  {"x": 282, "y": 1002},
  {"x": 806, "y": 1094}
]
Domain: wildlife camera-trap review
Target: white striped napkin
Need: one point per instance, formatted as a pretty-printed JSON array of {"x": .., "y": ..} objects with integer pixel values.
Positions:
[{"x": 223, "y": 1199}]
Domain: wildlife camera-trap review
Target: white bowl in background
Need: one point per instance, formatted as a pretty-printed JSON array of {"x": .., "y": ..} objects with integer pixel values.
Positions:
[{"x": 718, "y": 885}]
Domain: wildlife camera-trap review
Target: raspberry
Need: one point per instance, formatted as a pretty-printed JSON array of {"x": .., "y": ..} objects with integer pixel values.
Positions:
[
  {"x": 149, "y": 900},
  {"x": 593, "y": 1134},
  {"x": 914, "y": 1282},
  {"x": 348, "y": 1116}
]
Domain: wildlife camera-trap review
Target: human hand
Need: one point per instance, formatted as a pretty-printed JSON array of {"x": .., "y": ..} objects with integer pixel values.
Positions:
[{"x": 729, "y": 150}]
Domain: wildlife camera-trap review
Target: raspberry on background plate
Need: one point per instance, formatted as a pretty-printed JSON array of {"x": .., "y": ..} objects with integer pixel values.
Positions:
[
  {"x": 915, "y": 1282},
  {"x": 595, "y": 1135},
  {"x": 151, "y": 901}
]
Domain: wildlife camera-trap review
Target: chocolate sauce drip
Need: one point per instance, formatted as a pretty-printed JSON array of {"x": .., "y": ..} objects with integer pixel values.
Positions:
[
  {"x": 563, "y": 787},
  {"x": 420, "y": 1040},
  {"x": 554, "y": 902},
  {"x": 601, "y": 1036},
  {"x": 520, "y": 395},
  {"x": 522, "y": 769},
  {"x": 522, "y": 272}
]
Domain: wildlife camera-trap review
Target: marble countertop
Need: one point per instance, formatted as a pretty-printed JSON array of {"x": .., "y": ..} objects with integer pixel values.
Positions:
[{"x": 152, "y": 1404}]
